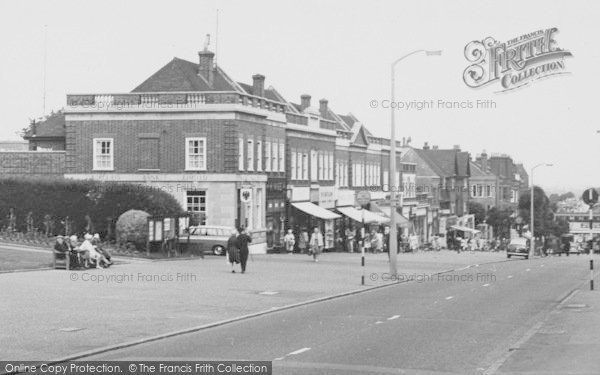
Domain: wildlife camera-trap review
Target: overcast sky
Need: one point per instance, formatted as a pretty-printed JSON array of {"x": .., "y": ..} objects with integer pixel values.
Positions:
[{"x": 339, "y": 50}]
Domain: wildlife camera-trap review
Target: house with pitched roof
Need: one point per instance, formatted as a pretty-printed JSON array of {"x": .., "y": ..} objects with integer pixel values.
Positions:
[{"x": 483, "y": 184}]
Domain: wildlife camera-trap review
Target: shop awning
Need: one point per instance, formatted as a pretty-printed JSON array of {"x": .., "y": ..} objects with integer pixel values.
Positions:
[
  {"x": 314, "y": 210},
  {"x": 357, "y": 215},
  {"x": 464, "y": 229},
  {"x": 401, "y": 221}
]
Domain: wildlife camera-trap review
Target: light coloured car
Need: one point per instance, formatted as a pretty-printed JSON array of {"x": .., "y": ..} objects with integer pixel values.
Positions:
[
  {"x": 518, "y": 247},
  {"x": 209, "y": 238}
]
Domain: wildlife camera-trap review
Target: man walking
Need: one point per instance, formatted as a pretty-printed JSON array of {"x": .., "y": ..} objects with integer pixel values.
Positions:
[{"x": 243, "y": 241}]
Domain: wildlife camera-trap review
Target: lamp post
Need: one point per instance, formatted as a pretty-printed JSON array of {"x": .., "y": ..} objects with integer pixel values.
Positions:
[
  {"x": 531, "y": 212},
  {"x": 393, "y": 245}
]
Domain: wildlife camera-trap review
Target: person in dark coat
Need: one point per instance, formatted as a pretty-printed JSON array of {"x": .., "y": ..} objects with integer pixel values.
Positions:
[
  {"x": 233, "y": 251},
  {"x": 243, "y": 240}
]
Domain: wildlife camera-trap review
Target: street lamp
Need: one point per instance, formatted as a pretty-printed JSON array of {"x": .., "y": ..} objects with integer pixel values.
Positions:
[
  {"x": 531, "y": 212},
  {"x": 393, "y": 245}
]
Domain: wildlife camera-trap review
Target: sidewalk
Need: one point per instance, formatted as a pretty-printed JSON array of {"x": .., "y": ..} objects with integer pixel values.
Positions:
[
  {"x": 568, "y": 342},
  {"x": 56, "y": 313}
]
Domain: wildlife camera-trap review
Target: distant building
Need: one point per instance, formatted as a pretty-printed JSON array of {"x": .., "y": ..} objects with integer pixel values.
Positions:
[
  {"x": 48, "y": 134},
  {"x": 14, "y": 146}
]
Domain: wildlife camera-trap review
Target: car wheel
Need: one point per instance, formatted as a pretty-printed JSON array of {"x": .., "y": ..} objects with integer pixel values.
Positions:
[
  {"x": 527, "y": 257},
  {"x": 508, "y": 256},
  {"x": 218, "y": 250}
]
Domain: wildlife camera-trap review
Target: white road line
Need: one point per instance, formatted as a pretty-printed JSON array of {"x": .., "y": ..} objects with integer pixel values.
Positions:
[
  {"x": 509, "y": 277},
  {"x": 449, "y": 297},
  {"x": 379, "y": 322},
  {"x": 527, "y": 270},
  {"x": 299, "y": 351},
  {"x": 486, "y": 284},
  {"x": 542, "y": 265},
  {"x": 393, "y": 317}
]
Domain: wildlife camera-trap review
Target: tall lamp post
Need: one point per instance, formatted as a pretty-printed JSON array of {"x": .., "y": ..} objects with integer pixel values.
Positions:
[
  {"x": 393, "y": 245},
  {"x": 532, "y": 212}
]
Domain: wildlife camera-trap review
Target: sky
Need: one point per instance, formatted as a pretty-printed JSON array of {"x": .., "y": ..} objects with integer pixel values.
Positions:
[{"x": 338, "y": 50}]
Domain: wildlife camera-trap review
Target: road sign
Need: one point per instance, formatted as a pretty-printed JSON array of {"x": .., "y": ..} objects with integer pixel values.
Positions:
[
  {"x": 246, "y": 195},
  {"x": 363, "y": 197},
  {"x": 590, "y": 197}
]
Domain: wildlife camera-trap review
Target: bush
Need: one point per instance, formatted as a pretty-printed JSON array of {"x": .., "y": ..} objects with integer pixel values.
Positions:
[
  {"x": 132, "y": 227},
  {"x": 61, "y": 198}
]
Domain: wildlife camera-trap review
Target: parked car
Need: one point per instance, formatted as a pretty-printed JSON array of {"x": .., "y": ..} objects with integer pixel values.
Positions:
[
  {"x": 209, "y": 239},
  {"x": 518, "y": 247}
]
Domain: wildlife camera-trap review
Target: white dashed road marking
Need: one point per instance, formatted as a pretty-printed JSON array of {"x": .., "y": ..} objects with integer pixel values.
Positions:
[
  {"x": 379, "y": 322},
  {"x": 529, "y": 269},
  {"x": 393, "y": 317},
  {"x": 509, "y": 277},
  {"x": 449, "y": 297},
  {"x": 295, "y": 352},
  {"x": 486, "y": 284}
]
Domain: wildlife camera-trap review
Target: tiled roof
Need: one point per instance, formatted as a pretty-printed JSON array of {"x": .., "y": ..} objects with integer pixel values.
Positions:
[
  {"x": 51, "y": 126},
  {"x": 269, "y": 93},
  {"x": 477, "y": 171},
  {"x": 182, "y": 75},
  {"x": 447, "y": 163}
]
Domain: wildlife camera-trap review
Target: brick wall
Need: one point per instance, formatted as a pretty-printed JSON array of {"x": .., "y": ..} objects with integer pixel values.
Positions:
[
  {"x": 32, "y": 164},
  {"x": 221, "y": 137}
]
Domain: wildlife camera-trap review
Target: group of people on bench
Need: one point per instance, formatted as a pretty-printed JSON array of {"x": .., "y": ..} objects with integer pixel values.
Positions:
[{"x": 83, "y": 255}]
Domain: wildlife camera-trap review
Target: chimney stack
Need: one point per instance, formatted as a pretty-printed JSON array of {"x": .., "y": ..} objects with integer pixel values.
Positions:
[
  {"x": 483, "y": 160},
  {"x": 457, "y": 148},
  {"x": 206, "y": 66},
  {"x": 304, "y": 101},
  {"x": 323, "y": 107},
  {"x": 258, "y": 85},
  {"x": 434, "y": 147},
  {"x": 426, "y": 146}
]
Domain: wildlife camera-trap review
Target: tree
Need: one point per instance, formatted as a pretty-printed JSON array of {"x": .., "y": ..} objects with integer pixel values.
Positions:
[
  {"x": 500, "y": 219},
  {"x": 477, "y": 209},
  {"x": 544, "y": 223}
]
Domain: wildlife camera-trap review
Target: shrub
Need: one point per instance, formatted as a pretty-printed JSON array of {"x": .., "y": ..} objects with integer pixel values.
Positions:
[
  {"x": 132, "y": 227},
  {"x": 61, "y": 198}
]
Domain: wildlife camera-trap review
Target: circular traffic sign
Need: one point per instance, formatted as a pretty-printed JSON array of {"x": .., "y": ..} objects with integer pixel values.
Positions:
[
  {"x": 363, "y": 197},
  {"x": 590, "y": 196}
]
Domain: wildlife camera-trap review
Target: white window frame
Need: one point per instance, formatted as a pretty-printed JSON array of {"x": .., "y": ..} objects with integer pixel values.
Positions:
[
  {"x": 268, "y": 156},
  {"x": 250, "y": 155},
  {"x": 293, "y": 167},
  {"x": 259, "y": 156},
  {"x": 97, "y": 145},
  {"x": 274, "y": 147},
  {"x": 189, "y": 167},
  {"x": 321, "y": 166},
  {"x": 305, "y": 161},
  {"x": 281, "y": 157}
]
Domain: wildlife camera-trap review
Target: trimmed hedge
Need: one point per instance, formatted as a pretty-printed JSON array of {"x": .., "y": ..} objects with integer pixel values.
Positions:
[{"x": 103, "y": 202}]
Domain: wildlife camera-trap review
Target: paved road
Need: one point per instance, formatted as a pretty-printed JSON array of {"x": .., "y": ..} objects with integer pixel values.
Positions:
[{"x": 463, "y": 325}]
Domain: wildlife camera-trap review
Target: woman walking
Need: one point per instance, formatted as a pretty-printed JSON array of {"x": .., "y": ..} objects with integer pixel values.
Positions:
[
  {"x": 316, "y": 244},
  {"x": 233, "y": 252}
]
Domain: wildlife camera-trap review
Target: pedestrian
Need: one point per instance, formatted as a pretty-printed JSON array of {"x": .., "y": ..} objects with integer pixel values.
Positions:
[
  {"x": 350, "y": 234},
  {"x": 289, "y": 240},
  {"x": 316, "y": 244},
  {"x": 98, "y": 244},
  {"x": 303, "y": 241},
  {"x": 243, "y": 239},
  {"x": 386, "y": 239},
  {"x": 367, "y": 242},
  {"x": 233, "y": 251},
  {"x": 379, "y": 242}
]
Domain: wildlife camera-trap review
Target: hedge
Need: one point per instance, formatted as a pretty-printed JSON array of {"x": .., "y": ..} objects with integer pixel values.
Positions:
[{"x": 103, "y": 202}]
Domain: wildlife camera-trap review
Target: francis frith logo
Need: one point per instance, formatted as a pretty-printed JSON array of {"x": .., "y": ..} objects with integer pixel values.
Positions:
[{"x": 515, "y": 63}]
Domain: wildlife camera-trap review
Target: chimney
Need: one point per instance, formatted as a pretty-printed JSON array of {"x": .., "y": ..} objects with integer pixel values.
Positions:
[
  {"x": 258, "y": 85},
  {"x": 323, "y": 107},
  {"x": 304, "y": 101},
  {"x": 33, "y": 128},
  {"x": 457, "y": 148},
  {"x": 483, "y": 160},
  {"x": 205, "y": 66},
  {"x": 403, "y": 141},
  {"x": 426, "y": 146},
  {"x": 434, "y": 147}
]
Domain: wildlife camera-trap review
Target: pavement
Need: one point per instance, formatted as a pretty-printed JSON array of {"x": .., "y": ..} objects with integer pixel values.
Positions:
[
  {"x": 55, "y": 314},
  {"x": 514, "y": 317}
]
